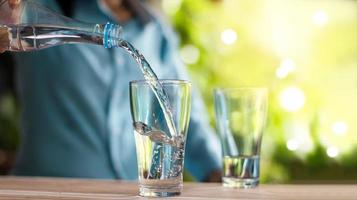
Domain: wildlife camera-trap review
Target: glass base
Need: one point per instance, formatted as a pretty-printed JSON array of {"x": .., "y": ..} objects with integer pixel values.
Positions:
[
  {"x": 240, "y": 183},
  {"x": 149, "y": 191}
]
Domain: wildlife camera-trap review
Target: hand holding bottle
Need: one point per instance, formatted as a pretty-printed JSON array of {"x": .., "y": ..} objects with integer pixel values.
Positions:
[
  {"x": 14, "y": 3},
  {"x": 4, "y": 39},
  {"x": 9, "y": 13}
]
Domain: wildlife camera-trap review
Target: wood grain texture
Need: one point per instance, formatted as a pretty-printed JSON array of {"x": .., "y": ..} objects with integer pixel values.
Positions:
[{"x": 19, "y": 188}]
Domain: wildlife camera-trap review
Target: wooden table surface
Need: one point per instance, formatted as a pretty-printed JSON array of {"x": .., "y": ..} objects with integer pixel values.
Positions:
[{"x": 15, "y": 188}]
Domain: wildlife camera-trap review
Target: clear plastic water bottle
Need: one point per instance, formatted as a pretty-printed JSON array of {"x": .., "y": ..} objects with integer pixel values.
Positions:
[{"x": 28, "y": 26}]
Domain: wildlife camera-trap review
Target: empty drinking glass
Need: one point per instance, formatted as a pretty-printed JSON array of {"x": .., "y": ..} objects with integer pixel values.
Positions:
[{"x": 240, "y": 118}]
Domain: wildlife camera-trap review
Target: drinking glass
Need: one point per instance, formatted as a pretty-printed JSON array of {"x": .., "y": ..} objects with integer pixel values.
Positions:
[
  {"x": 160, "y": 147},
  {"x": 240, "y": 119}
]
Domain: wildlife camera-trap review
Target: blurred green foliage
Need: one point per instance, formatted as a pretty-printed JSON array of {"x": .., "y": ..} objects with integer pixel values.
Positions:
[
  {"x": 9, "y": 132},
  {"x": 9, "y": 137},
  {"x": 305, "y": 53}
]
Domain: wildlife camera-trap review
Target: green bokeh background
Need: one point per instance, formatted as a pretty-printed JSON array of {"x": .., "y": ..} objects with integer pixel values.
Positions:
[{"x": 319, "y": 39}]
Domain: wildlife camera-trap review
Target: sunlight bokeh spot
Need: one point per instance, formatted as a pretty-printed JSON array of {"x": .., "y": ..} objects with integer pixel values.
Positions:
[
  {"x": 292, "y": 99},
  {"x": 228, "y": 36},
  {"x": 171, "y": 6},
  {"x": 189, "y": 54},
  {"x": 339, "y": 128},
  {"x": 320, "y": 18},
  {"x": 332, "y": 152},
  {"x": 292, "y": 144},
  {"x": 286, "y": 67}
]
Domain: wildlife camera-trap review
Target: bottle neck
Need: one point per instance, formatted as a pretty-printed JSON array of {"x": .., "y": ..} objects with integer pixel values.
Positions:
[{"x": 112, "y": 35}]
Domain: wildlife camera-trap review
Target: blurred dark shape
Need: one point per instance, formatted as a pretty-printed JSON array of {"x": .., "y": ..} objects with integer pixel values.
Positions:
[
  {"x": 136, "y": 7},
  {"x": 66, "y": 6},
  {"x": 6, "y": 74},
  {"x": 9, "y": 136}
]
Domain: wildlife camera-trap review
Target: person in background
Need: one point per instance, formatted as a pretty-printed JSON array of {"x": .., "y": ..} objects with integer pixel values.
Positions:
[{"x": 75, "y": 100}]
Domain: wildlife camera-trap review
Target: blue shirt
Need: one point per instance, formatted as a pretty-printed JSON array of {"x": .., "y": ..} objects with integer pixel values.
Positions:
[{"x": 75, "y": 104}]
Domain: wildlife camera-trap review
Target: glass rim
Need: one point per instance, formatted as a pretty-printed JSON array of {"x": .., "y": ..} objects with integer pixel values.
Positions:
[
  {"x": 241, "y": 89},
  {"x": 162, "y": 81}
]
